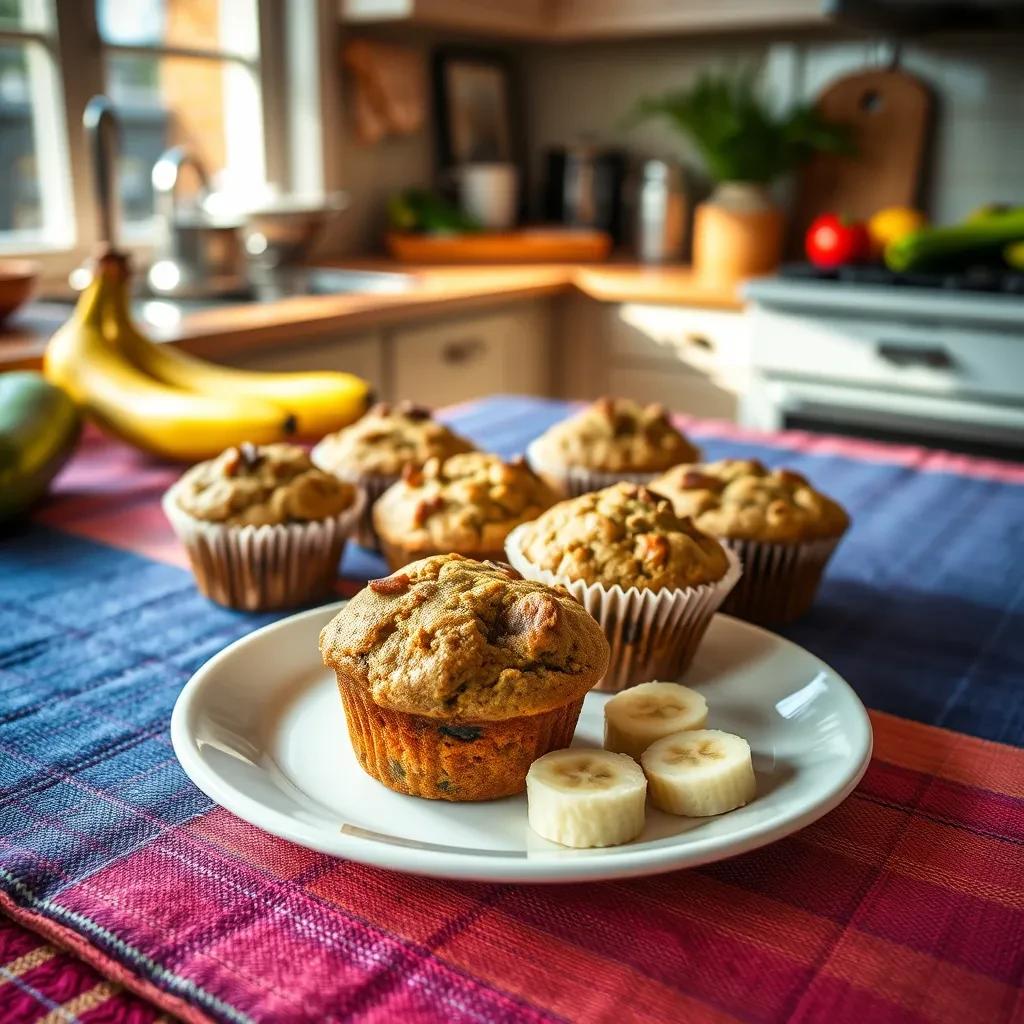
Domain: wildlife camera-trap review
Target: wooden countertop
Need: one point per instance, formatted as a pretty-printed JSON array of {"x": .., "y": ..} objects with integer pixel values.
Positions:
[{"x": 435, "y": 290}]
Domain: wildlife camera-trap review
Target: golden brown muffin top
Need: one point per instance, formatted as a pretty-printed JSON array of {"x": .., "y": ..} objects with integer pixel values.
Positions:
[
  {"x": 449, "y": 637},
  {"x": 387, "y": 439},
  {"x": 744, "y": 500},
  {"x": 257, "y": 485},
  {"x": 617, "y": 435},
  {"x": 468, "y": 502},
  {"x": 627, "y": 535}
]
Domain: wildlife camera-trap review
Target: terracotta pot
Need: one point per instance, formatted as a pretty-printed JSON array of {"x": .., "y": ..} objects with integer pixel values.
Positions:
[{"x": 737, "y": 233}]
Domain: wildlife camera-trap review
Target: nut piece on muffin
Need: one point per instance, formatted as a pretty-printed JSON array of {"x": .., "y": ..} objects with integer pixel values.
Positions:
[
  {"x": 468, "y": 504},
  {"x": 625, "y": 535},
  {"x": 263, "y": 527},
  {"x": 374, "y": 451},
  {"x": 611, "y": 440},
  {"x": 783, "y": 530},
  {"x": 650, "y": 577},
  {"x": 456, "y": 674}
]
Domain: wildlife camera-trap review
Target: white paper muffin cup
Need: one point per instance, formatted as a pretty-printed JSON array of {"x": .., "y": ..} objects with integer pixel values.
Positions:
[
  {"x": 653, "y": 634},
  {"x": 573, "y": 481},
  {"x": 373, "y": 484},
  {"x": 779, "y": 581},
  {"x": 257, "y": 568}
]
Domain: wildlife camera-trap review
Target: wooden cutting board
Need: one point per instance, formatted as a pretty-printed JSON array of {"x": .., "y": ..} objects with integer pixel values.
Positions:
[
  {"x": 890, "y": 115},
  {"x": 523, "y": 245}
]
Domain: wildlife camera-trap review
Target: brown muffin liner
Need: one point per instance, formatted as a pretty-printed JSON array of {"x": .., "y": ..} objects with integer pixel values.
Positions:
[
  {"x": 257, "y": 568},
  {"x": 398, "y": 555},
  {"x": 780, "y": 581},
  {"x": 653, "y": 634},
  {"x": 373, "y": 484},
  {"x": 439, "y": 759},
  {"x": 573, "y": 481}
]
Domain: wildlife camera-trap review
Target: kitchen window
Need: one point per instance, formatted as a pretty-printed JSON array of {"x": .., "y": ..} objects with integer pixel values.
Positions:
[
  {"x": 213, "y": 75},
  {"x": 184, "y": 72},
  {"x": 35, "y": 195}
]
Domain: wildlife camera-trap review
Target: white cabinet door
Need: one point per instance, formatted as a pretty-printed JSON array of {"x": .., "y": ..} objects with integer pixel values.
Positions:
[
  {"x": 680, "y": 391},
  {"x": 469, "y": 357},
  {"x": 361, "y": 354}
]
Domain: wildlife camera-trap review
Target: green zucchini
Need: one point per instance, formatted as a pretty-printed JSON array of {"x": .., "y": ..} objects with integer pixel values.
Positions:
[
  {"x": 39, "y": 427},
  {"x": 984, "y": 234}
]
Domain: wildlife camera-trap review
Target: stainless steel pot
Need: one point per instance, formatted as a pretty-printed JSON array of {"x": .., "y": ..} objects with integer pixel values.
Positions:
[{"x": 200, "y": 254}]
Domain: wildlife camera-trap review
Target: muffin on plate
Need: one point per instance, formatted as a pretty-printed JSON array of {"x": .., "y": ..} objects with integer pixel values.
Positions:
[
  {"x": 374, "y": 450},
  {"x": 263, "y": 527},
  {"x": 783, "y": 530},
  {"x": 651, "y": 578},
  {"x": 614, "y": 439},
  {"x": 455, "y": 675},
  {"x": 468, "y": 504}
]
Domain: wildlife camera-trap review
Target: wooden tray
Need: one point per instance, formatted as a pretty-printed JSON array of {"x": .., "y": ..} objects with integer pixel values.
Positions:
[{"x": 526, "y": 245}]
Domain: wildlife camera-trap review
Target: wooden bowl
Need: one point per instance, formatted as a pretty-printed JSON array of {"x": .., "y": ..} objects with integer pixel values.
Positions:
[{"x": 17, "y": 280}]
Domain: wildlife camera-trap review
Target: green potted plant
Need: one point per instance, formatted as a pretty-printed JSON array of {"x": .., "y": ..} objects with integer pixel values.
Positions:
[{"x": 745, "y": 146}]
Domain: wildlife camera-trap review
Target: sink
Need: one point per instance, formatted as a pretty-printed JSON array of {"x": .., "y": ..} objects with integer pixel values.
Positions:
[
  {"x": 339, "y": 281},
  {"x": 163, "y": 314}
]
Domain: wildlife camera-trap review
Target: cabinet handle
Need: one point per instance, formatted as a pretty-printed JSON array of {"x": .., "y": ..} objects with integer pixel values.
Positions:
[
  {"x": 700, "y": 341},
  {"x": 932, "y": 356},
  {"x": 457, "y": 352}
]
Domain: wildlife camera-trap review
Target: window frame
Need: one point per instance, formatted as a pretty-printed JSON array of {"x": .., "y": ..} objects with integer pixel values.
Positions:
[{"x": 288, "y": 82}]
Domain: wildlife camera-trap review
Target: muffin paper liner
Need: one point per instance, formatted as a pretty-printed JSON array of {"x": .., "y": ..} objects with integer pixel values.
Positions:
[
  {"x": 779, "y": 581},
  {"x": 576, "y": 480},
  {"x": 441, "y": 759},
  {"x": 653, "y": 634},
  {"x": 256, "y": 568},
  {"x": 373, "y": 484}
]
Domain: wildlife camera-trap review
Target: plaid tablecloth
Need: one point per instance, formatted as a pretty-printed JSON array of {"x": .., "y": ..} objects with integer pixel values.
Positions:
[{"x": 904, "y": 904}]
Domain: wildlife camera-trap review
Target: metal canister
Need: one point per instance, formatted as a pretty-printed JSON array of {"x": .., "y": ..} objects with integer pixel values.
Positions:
[{"x": 660, "y": 211}]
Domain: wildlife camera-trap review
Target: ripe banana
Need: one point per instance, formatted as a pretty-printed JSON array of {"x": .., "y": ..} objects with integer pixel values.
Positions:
[
  {"x": 637, "y": 717},
  {"x": 164, "y": 420},
  {"x": 321, "y": 402},
  {"x": 699, "y": 773},
  {"x": 584, "y": 798}
]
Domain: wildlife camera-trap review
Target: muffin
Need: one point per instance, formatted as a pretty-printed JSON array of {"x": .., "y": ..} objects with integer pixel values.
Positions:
[
  {"x": 650, "y": 577},
  {"x": 456, "y": 675},
  {"x": 613, "y": 439},
  {"x": 783, "y": 530},
  {"x": 263, "y": 527},
  {"x": 374, "y": 450},
  {"x": 467, "y": 503}
]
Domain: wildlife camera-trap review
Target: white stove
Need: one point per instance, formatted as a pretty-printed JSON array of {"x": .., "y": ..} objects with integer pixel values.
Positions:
[{"x": 942, "y": 366}]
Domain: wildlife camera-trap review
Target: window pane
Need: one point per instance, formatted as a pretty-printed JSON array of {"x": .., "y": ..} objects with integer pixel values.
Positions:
[
  {"x": 229, "y": 26},
  {"x": 210, "y": 106},
  {"x": 10, "y": 13},
  {"x": 20, "y": 206}
]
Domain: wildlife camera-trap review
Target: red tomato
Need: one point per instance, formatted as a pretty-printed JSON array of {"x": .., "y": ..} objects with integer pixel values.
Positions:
[{"x": 833, "y": 241}]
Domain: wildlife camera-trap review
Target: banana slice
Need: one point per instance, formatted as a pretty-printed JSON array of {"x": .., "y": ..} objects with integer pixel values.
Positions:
[
  {"x": 699, "y": 773},
  {"x": 585, "y": 798},
  {"x": 637, "y": 717}
]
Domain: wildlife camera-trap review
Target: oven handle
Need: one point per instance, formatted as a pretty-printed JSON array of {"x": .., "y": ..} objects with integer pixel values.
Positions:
[{"x": 934, "y": 357}]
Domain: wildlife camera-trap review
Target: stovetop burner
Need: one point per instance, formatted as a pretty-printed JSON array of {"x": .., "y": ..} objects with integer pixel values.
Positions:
[{"x": 975, "y": 279}]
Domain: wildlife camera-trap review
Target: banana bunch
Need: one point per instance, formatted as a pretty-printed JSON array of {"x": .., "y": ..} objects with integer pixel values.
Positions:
[
  {"x": 172, "y": 404},
  {"x": 586, "y": 798}
]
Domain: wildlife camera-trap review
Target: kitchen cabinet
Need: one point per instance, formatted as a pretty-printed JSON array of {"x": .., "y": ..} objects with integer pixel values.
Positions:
[
  {"x": 570, "y": 20},
  {"x": 692, "y": 360},
  {"x": 459, "y": 359},
  {"x": 361, "y": 354},
  {"x": 437, "y": 361}
]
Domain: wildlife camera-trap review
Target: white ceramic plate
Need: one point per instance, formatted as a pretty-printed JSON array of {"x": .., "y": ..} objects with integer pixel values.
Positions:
[{"x": 260, "y": 729}]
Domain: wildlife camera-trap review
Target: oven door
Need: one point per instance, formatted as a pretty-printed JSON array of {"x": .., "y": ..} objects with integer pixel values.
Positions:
[{"x": 989, "y": 428}]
